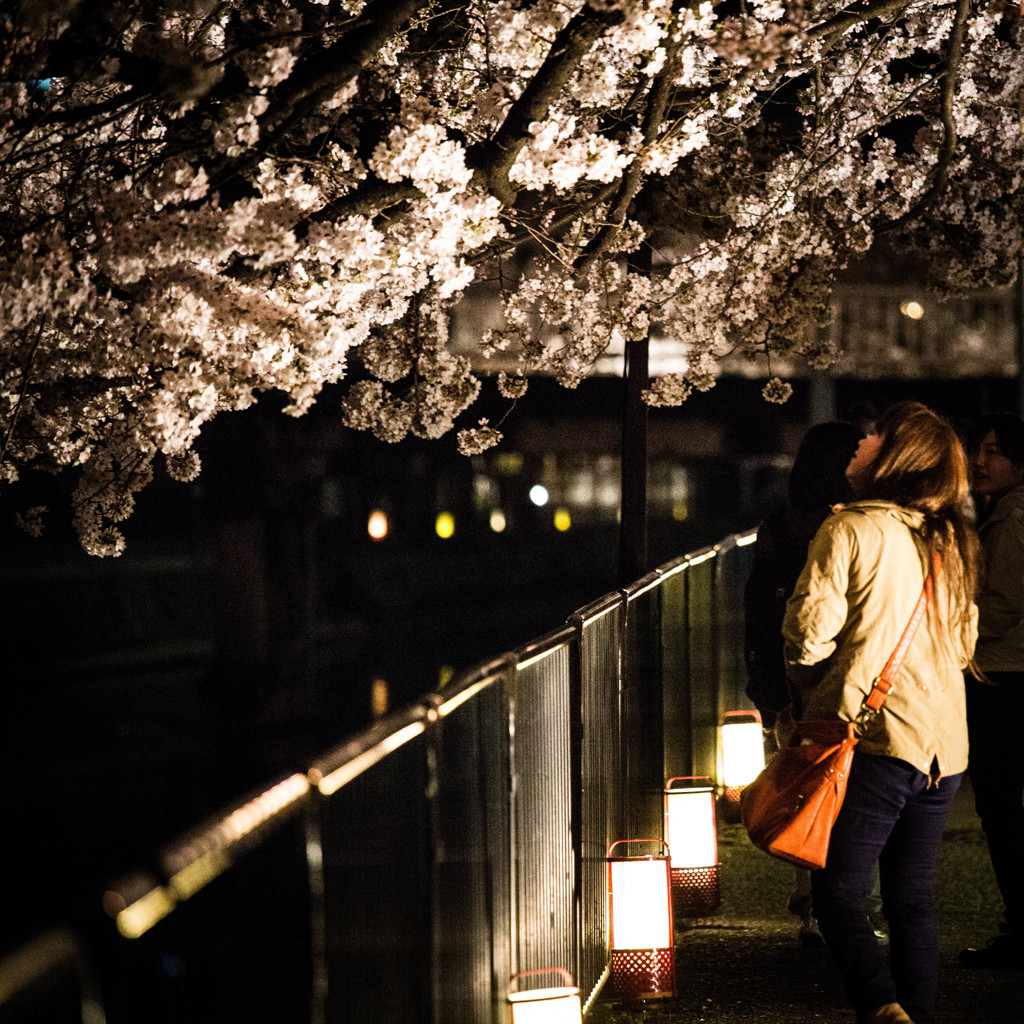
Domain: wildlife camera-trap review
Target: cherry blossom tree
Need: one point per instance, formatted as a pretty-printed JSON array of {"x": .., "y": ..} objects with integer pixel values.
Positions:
[{"x": 205, "y": 200}]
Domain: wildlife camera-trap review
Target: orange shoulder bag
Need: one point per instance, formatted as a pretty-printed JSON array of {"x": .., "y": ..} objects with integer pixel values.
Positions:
[{"x": 790, "y": 808}]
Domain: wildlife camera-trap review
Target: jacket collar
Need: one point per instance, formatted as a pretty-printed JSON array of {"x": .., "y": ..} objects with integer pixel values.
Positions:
[{"x": 910, "y": 517}]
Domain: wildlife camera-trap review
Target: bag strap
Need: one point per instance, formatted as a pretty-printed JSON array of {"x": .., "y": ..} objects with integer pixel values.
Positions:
[{"x": 883, "y": 684}]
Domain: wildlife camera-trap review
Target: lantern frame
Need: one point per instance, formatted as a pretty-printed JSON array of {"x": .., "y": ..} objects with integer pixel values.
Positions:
[
  {"x": 553, "y": 1004},
  {"x": 696, "y": 887},
  {"x": 649, "y": 971}
]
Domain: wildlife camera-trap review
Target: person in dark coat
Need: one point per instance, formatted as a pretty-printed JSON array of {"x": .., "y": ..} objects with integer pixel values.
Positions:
[
  {"x": 995, "y": 705},
  {"x": 817, "y": 481}
]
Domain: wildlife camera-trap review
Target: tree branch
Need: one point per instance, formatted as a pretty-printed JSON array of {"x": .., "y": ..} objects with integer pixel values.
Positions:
[
  {"x": 949, "y": 141},
  {"x": 855, "y": 14},
  {"x": 320, "y": 77},
  {"x": 493, "y": 160},
  {"x": 9, "y": 433},
  {"x": 632, "y": 180}
]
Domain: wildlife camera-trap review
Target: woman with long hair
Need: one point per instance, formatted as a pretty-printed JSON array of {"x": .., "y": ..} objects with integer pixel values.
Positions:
[{"x": 865, "y": 571}]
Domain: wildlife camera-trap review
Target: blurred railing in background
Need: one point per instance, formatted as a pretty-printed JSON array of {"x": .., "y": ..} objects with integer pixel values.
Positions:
[{"x": 408, "y": 874}]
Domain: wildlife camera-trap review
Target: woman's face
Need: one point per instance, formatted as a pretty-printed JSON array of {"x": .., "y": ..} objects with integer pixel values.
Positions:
[
  {"x": 858, "y": 472},
  {"x": 992, "y": 473}
]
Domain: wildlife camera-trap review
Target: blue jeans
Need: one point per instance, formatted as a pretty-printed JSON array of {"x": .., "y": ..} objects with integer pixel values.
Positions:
[{"x": 895, "y": 815}]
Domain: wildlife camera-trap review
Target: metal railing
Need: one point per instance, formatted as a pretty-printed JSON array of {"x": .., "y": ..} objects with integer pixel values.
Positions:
[{"x": 408, "y": 874}]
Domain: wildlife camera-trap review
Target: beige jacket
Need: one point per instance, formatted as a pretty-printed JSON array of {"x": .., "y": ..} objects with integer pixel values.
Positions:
[
  {"x": 864, "y": 574},
  {"x": 1001, "y": 598}
]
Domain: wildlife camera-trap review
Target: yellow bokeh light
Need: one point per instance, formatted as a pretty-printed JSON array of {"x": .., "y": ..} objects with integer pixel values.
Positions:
[
  {"x": 498, "y": 520},
  {"x": 377, "y": 527},
  {"x": 444, "y": 525},
  {"x": 562, "y": 519},
  {"x": 912, "y": 309},
  {"x": 680, "y": 511}
]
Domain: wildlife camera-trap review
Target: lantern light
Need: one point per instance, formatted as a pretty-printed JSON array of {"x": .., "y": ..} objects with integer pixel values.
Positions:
[
  {"x": 692, "y": 837},
  {"x": 742, "y": 753},
  {"x": 640, "y": 911},
  {"x": 553, "y": 1005}
]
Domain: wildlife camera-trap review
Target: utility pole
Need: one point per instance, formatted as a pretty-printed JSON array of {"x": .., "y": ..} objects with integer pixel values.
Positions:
[{"x": 636, "y": 377}]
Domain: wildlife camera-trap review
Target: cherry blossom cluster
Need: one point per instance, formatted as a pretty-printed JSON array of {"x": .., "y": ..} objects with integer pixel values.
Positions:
[{"x": 205, "y": 201}]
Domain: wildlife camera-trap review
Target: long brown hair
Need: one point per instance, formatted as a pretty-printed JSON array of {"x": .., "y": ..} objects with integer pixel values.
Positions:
[{"x": 922, "y": 465}]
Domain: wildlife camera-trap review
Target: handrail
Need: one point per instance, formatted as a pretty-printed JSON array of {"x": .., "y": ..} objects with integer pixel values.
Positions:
[
  {"x": 592, "y": 654},
  {"x": 139, "y": 901},
  {"x": 37, "y": 961}
]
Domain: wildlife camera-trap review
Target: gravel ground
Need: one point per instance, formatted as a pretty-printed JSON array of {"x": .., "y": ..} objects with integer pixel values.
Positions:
[{"x": 745, "y": 964}]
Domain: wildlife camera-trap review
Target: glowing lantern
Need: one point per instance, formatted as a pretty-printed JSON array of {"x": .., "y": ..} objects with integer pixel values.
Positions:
[
  {"x": 742, "y": 752},
  {"x": 640, "y": 910},
  {"x": 554, "y": 1005},
  {"x": 692, "y": 837}
]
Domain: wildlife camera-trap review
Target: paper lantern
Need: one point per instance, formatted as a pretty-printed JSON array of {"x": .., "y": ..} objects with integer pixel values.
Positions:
[
  {"x": 741, "y": 747},
  {"x": 692, "y": 836},
  {"x": 640, "y": 912}
]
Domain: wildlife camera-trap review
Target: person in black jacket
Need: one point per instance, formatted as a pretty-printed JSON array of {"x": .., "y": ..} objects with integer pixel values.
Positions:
[{"x": 817, "y": 481}]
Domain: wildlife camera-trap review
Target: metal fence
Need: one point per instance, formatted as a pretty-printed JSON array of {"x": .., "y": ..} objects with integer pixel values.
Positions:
[{"x": 407, "y": 875}]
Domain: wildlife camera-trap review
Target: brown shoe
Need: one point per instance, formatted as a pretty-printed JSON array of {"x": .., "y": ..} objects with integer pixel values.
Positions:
[{"x": 891, "y": 1013}]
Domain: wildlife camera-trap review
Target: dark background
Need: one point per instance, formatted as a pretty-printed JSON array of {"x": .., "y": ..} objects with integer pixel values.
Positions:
[{"x": 240, "y": 633}]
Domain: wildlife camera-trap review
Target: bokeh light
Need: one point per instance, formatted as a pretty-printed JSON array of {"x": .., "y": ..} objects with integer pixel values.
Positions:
[{"x": 377, "y": 527}]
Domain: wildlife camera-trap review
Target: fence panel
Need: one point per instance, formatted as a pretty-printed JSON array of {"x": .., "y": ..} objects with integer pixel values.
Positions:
[
  {"x": 224, "y": 932},
  {"x": 642, "y": 753},
  {"x": 377, "y": 900},
  {"x": 600, "y": 627},
  {"x": 705, "y": 706},
  {"x": 472, "y": 849},
  {"x": 732, "y": 567},
  {"x": 679, "y": 694},
  {"x": 542, "y": 800}
]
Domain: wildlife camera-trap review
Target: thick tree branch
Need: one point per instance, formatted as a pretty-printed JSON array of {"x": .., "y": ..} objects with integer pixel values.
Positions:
[
  {"x": 318, "y": 78},
  {"x": 950, "y": 67},
  {"x": 372, "y": 197},
  {"x": 494, "y": 159},
  {"x": 854, "y": 15}
]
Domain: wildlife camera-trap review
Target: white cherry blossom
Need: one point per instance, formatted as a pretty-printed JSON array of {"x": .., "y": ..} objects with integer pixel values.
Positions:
[{"x": 202, "y": 203}]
